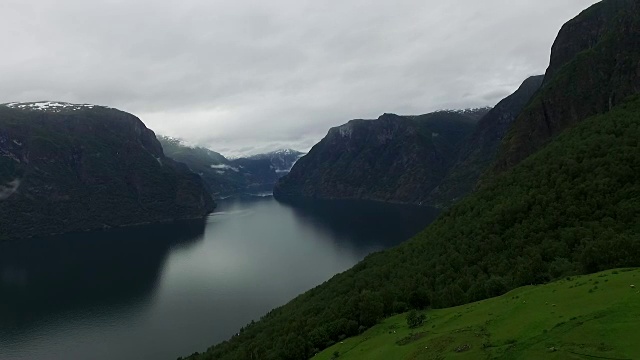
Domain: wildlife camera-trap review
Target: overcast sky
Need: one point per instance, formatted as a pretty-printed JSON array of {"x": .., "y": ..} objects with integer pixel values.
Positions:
[{"x": 247, "y": 76}]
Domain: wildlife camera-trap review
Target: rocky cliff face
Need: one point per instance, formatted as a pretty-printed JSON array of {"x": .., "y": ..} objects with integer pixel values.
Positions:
[
  {"x": 595, "y": 65},
  {"x": 480, "y": 149},
  {"x": 393, "y": 159},
  {"x": 66, "y": 167}
]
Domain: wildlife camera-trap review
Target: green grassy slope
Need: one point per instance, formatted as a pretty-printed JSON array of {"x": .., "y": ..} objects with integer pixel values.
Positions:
[{"x": 580, "y": 317}]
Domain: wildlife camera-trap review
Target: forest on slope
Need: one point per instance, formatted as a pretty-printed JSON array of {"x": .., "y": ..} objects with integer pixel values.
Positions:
[
  {"x": 572, "y": 208},
  {"x": 398, "y": 159},
  {"x": 594, "y": 66},
  {"x": 68, "y": 168}
]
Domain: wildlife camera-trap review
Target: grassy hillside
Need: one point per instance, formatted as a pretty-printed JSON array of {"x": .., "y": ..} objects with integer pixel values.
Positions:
[
  {"x": 579, "y": 317},
  {"x": 572, "y": 208}
]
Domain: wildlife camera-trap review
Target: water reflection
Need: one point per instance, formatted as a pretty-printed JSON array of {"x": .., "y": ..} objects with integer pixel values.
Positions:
[
  {"x": 363, "y": 223},
  {"x": 110, "y": 270},
  {"x": 164, "y": 291}
]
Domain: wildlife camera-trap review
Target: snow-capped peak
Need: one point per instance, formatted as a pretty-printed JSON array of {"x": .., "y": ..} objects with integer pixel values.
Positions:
[
  {"x": 465, "y": 111},
  {"x": 284, "y": 152},
  {"x": 51, "y": 106}
]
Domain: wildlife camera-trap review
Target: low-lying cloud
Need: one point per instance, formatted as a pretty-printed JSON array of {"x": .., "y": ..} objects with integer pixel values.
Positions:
[
  {"x": 223, "y": 167},
  {"x": 9, "y": 189}
]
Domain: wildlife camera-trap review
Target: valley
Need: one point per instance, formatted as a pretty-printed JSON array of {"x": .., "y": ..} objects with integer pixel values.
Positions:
[{"x": 489, "y": 212}]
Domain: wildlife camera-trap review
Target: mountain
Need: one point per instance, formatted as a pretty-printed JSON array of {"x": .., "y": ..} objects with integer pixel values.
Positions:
[
  {"x": 479, "y": 150},
  {"x": 595, "y": 65},
  {"x": 67, "y": 167},
  {"x": 282, "y": 160},
  {"x": 225, "y": 177},
  {"x": 394, "y": 158},
  {"x": 571, "y": 207}
]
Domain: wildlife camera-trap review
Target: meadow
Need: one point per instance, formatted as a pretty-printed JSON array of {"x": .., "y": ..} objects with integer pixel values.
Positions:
[{"x": 580, "y": 317}]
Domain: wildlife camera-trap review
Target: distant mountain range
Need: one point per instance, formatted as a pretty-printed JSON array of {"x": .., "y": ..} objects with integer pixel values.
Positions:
[
  {"x": 281, "y": 160},
  {"x": 70, "y": 167},
  {"x": 225, "y": 177}
]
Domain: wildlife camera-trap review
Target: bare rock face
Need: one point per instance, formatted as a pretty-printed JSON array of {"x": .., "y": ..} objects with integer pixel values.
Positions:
[
  {"x": 594, "y": 66},
  {"x": 67, "y": 167}
]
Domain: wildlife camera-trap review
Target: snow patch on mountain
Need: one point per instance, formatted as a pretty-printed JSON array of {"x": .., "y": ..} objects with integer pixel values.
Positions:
[{"x": 51, "y": 106}]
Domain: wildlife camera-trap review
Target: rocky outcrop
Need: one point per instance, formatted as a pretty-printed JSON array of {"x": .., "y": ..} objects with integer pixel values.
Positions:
[{"x": 66, "y": 168}]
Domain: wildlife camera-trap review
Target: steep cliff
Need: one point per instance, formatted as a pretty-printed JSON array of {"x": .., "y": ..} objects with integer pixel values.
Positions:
[
  {"x": 595, "y": 65},
  {"x": 393, "y": 159},
  {"x": 66, "y": 167},
  {"x": 480, "y": 149}
]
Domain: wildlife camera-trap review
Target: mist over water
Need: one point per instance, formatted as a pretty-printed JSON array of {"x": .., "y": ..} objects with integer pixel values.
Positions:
[{"x": 166, "y": 291}]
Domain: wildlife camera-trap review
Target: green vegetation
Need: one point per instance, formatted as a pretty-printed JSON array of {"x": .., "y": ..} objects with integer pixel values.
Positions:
[
  {"x": 594, "y": 67},
  {"x": 395, "y": 158},
  {"x": 88, "y": 169},
  {"x": 563, "y": 200},
  {"x": 414, "y": 319},
  {"x": 572, "y": 208},
  {"x": 479, "y": 149},
  {"x": 579, "y": 317}
]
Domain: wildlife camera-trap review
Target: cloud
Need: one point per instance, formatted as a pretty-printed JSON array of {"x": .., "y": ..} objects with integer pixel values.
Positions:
[
  {"x": 224, "y": 167},
  {"x": 268, "y": 74},
  {"x": 8, "y": 189}
]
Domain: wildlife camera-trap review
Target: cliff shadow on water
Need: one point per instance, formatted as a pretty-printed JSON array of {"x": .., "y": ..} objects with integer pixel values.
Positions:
[
  {"x": 363, "y": 223},
  {"x": 95, "y": 272}
]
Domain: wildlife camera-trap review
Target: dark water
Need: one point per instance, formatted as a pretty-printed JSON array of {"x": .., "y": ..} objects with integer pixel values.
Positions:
[{"x": 165, "y": 291}]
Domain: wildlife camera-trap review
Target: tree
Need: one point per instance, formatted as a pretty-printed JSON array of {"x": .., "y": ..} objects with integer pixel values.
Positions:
[{"x": 414, "y": 319}]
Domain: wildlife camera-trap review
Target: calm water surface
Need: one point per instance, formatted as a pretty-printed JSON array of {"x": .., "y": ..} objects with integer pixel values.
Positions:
[{"x": 165, "y": 291}]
